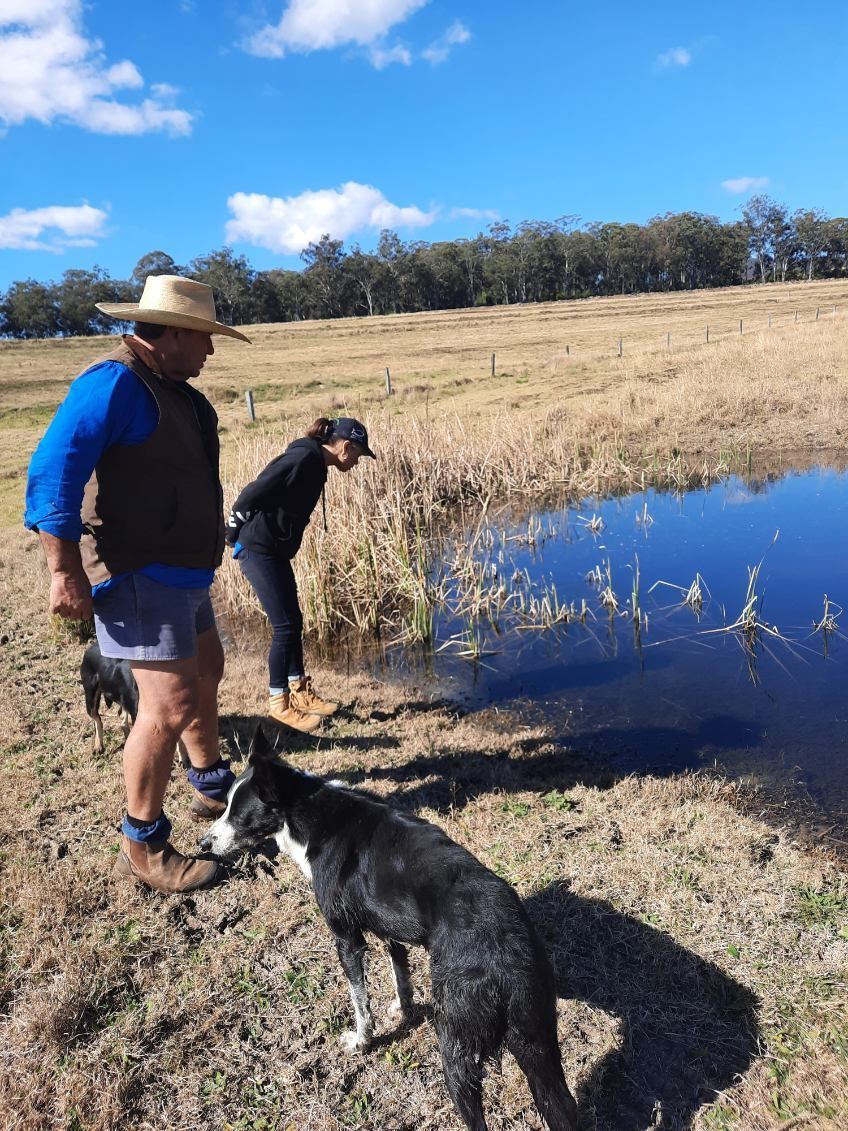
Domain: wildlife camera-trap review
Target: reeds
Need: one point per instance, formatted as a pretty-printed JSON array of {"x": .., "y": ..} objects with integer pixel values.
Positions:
[
  {"x": 750, "y": 625},
  {"x": 408, "y": 537},
  {"x": 693, "y": 597},
  {"x": 828, "y": 622}
]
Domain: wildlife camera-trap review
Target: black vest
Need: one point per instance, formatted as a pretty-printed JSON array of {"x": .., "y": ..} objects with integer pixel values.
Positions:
[{"x": 159, "y": 501}]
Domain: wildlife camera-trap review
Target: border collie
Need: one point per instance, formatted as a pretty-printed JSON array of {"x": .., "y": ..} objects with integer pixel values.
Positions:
[
  {"x": 376, "y": 869},
  {"x": 112, "y": 681}
]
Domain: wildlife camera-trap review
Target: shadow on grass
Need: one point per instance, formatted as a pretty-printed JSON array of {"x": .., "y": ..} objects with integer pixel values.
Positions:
[
  {"x": 687, "y": 1029},
  {"x": 462, "y": 777},
  {"x": 238, "y": 732}
]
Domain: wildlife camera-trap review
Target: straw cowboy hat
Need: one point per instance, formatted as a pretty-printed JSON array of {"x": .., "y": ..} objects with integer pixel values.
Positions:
[{"x": 171, "y": 300}]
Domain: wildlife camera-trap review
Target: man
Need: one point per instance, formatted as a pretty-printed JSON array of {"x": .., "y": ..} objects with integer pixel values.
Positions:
[{"x": 125, "y": 495}]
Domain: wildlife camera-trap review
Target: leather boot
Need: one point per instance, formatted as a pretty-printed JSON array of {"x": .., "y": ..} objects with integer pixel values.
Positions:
[
  {"x": 281, "y": 710},
  {"x": 161, "y": 867},
  {"x": 204, "y": 808},
  {"x": 303, "y": 698}
]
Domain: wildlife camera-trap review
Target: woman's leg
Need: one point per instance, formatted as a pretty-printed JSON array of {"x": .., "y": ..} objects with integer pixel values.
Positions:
[
  {"x": 269, "y": 580},
  {"x": 274, "y": 583}
]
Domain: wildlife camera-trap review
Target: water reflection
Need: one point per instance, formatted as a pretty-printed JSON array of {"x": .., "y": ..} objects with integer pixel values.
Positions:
[{"x": 657, "y": 679}]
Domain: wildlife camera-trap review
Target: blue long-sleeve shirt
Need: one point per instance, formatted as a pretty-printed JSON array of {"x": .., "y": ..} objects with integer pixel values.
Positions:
[{"x": 107, "y": 405}]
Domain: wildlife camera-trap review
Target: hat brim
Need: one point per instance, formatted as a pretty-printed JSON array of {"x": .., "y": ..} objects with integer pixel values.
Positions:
[{"x": 134, "y": 312}]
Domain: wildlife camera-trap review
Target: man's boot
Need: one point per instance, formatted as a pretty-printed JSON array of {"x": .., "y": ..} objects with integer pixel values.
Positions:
[
  {"x": 161, "y": 867},
  {"x": 205, "y": 808},
  {"x": 281, "y": 710},
  {"x": 303, "y": 698}
]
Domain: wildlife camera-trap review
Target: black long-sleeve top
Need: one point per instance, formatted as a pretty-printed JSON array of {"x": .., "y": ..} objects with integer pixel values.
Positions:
[{"x": 271, "y": 513}]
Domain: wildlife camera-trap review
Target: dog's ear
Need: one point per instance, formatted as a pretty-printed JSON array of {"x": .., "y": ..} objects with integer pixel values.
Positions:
[
  {"x": 260, "y": 749},
  {"x": 266, "y": 770}
]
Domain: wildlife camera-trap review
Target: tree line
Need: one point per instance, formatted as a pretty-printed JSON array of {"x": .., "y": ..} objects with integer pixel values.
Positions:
[{"x": 536, "y": 261}]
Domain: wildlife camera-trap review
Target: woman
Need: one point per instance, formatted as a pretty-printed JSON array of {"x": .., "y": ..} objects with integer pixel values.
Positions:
[{"x": 265, "y": 528}]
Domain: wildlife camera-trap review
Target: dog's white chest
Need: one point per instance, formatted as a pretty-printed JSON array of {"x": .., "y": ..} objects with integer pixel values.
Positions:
[{"x": 293, "y": 848}]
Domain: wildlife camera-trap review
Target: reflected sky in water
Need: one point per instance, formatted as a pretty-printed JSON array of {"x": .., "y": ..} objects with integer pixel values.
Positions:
[{"x": 679, "y": 696}]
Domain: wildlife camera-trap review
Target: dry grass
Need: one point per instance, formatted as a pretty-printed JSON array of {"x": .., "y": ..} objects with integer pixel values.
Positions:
[
  {"x": 701, "y": 954},
  {"x": 773, "y": 388},
  {"x": 390, "y": 556}
]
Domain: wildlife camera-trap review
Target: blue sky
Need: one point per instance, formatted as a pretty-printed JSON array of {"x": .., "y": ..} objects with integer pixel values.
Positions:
[{"x": 182, "y": 125}]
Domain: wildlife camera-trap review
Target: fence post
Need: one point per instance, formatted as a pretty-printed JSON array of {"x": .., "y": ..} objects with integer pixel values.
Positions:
[
  {"x": 708, "y": 333},
  {"x": 817, "y": 314},
  {"x": 796, "y": 315},
  {"x": 769, "y": 319},
  {"x": 740, "y": 327},
  {"x": 251, "y": 410},
  {"x": 834, "y": 309},
  {"x": 493, "y": 365},
  {"x": 668, "y": 340},
  {"x": 619, "y": 347},
  {"x": 388, "y": 382},
  {"x": 568, "y": 347}
]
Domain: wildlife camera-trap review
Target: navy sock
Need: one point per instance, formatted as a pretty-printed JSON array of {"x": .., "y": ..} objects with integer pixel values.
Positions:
[
  {"x": 141, "y": 823},
  {"x": 213, "y": 781},
  {"x": 147, "y": 832}
]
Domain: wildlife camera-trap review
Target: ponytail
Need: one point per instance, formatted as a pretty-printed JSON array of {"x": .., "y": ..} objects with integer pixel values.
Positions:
[{"x": 321, "y": 430}]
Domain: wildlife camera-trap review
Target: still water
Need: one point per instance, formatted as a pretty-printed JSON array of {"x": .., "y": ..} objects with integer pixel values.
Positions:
[{"x": 676, "y": 694}]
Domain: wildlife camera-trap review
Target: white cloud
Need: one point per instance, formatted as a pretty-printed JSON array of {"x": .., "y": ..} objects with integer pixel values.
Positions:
[
  {"x": 164, "y": 90},
  {"x": 384, "y": 56},
  {"x": 440, "y": 48},
  {"x": 311, "y": 25},
  {"x": 473, "y": 214},
  {"x": 744, "y": 184},
  {"x": 675, "y": 57},
  {"x": 53, "y": 228},
  {"x": 287, "y": 225},
  {"x": 50, "y": 71}
]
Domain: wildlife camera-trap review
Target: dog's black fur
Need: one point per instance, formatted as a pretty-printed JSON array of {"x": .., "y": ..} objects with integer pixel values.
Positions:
[
  {"x": 111, "y": 681},
  {"x": 374, "y": 868}
]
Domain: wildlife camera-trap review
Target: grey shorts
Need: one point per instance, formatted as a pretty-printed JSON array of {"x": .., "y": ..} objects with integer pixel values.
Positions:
[{"x": 139, "y": 619}]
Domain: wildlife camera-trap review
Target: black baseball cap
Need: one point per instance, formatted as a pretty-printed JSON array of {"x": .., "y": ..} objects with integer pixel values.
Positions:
[{"x": 346, "y": 428}]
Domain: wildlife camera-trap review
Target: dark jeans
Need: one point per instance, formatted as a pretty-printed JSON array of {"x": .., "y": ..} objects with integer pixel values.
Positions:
[{"x": 273, "y": 581}]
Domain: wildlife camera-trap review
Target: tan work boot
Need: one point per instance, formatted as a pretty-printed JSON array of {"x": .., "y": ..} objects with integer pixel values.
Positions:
[
  {"x": 282, "y": 710},
  {"x": 161, "y": 867},
  {"x": 303, "y": 698},
  {"x": 203, "y": 808}
]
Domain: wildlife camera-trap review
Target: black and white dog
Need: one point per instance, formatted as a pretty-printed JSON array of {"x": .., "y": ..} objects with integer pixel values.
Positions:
[
  {"x": 111, "y": 681},
  {"x": 374, "y": 868}
]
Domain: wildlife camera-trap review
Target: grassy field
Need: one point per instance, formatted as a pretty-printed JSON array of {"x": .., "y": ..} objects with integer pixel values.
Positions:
[
  {"x": 701, "y": 953},
  {"x": 441, "y": 364}
]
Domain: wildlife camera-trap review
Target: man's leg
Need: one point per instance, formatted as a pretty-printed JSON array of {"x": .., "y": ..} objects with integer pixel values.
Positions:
[
  {"x": 168, "y": 700},
  {"x": 167, "y": 703},
  {"x": 209, "y": 775},
  {"x": 201, "y": 734}
]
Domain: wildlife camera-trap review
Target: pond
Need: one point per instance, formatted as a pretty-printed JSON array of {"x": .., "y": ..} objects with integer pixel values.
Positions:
[{"x": 681, "y": 690}]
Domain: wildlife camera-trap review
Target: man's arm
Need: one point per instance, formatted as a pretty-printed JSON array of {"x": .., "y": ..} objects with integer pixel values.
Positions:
[
  {"x": 107, "y": 405},
  {"x": 70, "y": 591}
]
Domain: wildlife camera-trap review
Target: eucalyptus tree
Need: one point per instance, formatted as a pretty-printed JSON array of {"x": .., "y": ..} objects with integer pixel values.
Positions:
[
  {"x": 812, "y": 231},
  {"x": 30, "y": 310},
  {"x": 153, "y": 263},
  {"x": 769, "y": 235},
  {"x": 365, "y": 273},
  {"x": 231, "y": 278}
]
